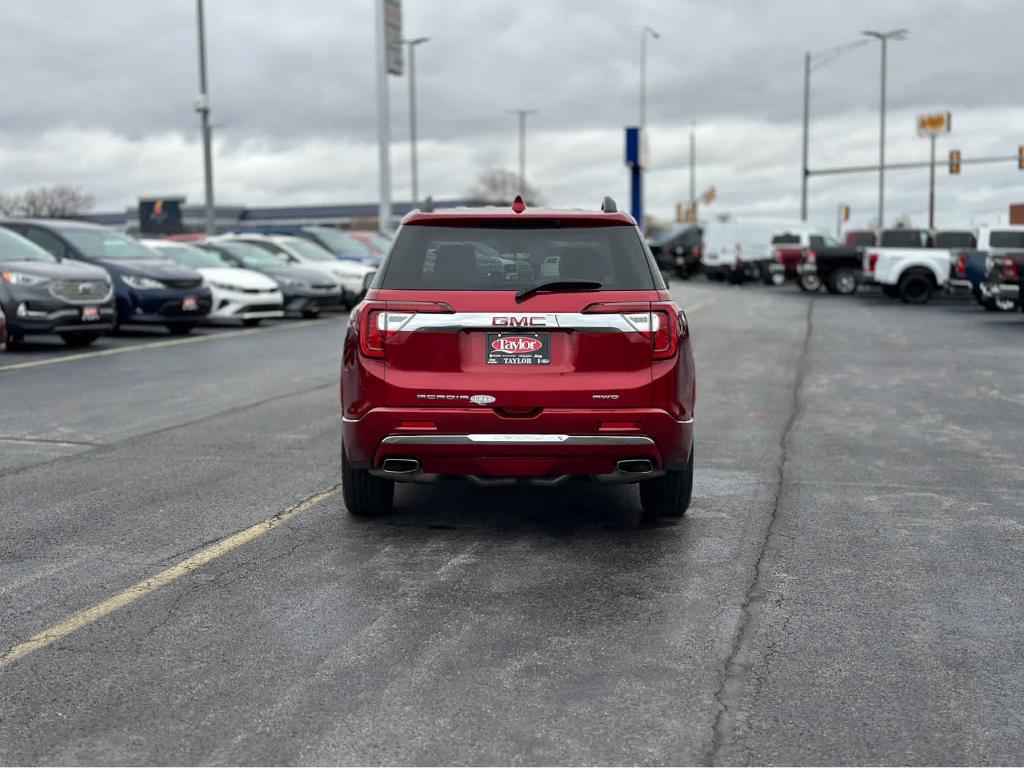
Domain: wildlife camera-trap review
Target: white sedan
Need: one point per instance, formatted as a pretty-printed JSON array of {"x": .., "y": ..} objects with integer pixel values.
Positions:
[
  {"x": 355, "y": 277},
  {"x": 238, "y": 294}
]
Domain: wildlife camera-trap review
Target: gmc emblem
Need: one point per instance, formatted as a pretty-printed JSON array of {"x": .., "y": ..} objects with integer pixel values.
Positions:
[{"x": 519, "y": 322}]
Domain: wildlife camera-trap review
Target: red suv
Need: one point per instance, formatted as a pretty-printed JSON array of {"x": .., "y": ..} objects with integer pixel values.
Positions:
[{"x": 518, "y": 346}]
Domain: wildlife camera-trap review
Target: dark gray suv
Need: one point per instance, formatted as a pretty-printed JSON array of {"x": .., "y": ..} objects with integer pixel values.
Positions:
[{"x": 40, "y": 294}]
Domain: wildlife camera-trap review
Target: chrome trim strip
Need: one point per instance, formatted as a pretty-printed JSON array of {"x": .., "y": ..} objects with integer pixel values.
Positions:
[
  {"x": 520, "y": 439},
  {"x": 638, "y": 322}
]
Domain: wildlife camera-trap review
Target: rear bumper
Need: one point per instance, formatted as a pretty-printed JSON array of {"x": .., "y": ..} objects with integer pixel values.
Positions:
[
  {"x": 554, "y": 444},
  {"x": 999, "y": 291}
]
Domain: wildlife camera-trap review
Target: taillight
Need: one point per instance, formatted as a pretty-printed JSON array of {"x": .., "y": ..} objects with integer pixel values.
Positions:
[
  {"x": 662, "y": 322},
  {"x": 379, "y": 321},
  {"x": 961, "y": 264},
  {"x": 812, "y": 256},
  {"x": 872, "y": 261},
  {"x": 777, "y": 254},
  {"x": 1011, "y": 271}
]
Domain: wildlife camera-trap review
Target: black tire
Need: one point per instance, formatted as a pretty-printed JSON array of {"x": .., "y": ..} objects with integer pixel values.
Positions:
[
  {"x": 999, "y": 305},
  {"x": 734, "y": 278},
  {"x": 180, "y": 329},
  {"x": 79, "y": 338},
  {"x": 364, "y": 494},
  {"x": 915, "y": 287},
  {"x": 310, "y": 314},
  {"x": 809, "y": 282},
  {"x": 668, "y": 495},
  {"x": 715, "y": 276},
  {"x": 842, "y": 282},
  {"x": 251, "y": 322}
]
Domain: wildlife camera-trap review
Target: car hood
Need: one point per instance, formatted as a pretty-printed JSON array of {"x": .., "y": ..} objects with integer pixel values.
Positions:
[
  {"x": 243, "y": 278},
  {"x": 158, "y": 269},
  {"x": 64, "y": 270},
  {"x": 287, "y": 272}
]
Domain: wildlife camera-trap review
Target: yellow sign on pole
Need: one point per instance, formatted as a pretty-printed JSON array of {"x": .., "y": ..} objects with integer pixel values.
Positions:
[
  {"x": 933, "y": 125},
  {"x": 709, "y": 195}
]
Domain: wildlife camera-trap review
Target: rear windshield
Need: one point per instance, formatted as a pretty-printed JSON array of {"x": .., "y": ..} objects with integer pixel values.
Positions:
[
  {"x": 786, "y": 239},
  {"x": 860, "y": 238},
  {"x": 507, "y": 257},
  {"x": 905, "y": 238},
  {"x": 955, "y": 240},
  {"x": 1006, "y": 239}
]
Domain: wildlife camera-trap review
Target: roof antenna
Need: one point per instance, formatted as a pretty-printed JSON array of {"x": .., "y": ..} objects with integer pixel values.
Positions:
[
  {"x": 518, "y": 206},
  {"x": 608, "y": 205}
]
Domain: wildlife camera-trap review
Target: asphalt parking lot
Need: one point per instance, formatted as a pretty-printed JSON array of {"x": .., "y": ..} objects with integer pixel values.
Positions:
[{"x": 845, "y": 588}]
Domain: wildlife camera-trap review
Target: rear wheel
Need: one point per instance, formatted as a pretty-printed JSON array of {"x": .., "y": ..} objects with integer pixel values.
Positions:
[
  {"x": 180, "y": 329},
  {"x": 364, "y": 494},
  {"x": 776, "y": 278},
  {"x": 251, "y": 322},
  {"x": 310, "y": 314},
  {"x": 843, "y": 281},
  {"x": 79, "y": 338},
  {"x": 668, "y": 495},
  {"x": 809, "y": 281},
  {"x": 915, "y": 287}
]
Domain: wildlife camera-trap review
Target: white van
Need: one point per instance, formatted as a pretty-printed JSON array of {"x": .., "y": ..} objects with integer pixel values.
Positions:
[{"x": 740, "y": 248}]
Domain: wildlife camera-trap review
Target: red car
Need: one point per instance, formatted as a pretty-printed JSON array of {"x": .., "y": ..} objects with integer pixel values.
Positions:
[{"x": 518, "y": 346}]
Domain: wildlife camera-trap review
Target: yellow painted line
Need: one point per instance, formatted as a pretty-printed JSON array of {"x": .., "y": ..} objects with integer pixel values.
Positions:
[
  {"x": 136, "y": 592},
  {"x": 153, "y": 345},
  {"x": 694, "y": 307}
]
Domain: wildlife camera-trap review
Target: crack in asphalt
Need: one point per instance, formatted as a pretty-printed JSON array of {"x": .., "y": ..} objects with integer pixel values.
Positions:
[{"x": 734, "y": 668}]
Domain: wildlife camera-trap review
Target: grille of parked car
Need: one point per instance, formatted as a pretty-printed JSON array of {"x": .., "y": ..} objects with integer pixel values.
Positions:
[
  {"x": 85, "y": 291},
  {"x": 182, "y": 284}
]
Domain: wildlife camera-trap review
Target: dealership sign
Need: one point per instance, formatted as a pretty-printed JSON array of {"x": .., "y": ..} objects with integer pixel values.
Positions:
[
  {"x": 393, "y": 29},
  {"x": 933, "y": 125}
]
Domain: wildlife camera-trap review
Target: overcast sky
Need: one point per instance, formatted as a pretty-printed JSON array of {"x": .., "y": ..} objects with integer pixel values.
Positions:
[{"x": 100, "y": 95}]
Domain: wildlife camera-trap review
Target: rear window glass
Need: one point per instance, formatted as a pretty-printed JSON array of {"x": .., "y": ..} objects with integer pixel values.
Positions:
[
  {"x": 905, "y": 238},
  {"x": 1006, "y": 239},
  {"x": 860, "y": 238},
  {"x": 511, "y": 258},
  {"x": 787, "y": 239},
  {"x": 955, "y": 240}
]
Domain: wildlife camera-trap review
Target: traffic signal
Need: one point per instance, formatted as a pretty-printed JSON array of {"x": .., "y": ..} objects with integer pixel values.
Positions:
[
  {"x": 1020, "y": 157},
  {"x": 954, "y": 160}
]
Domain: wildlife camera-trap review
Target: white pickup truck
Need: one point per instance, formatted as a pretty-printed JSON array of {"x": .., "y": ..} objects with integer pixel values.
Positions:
[{"x": 906, "y": 265}]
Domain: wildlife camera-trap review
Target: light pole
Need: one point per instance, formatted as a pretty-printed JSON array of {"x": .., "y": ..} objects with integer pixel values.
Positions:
[
  {"x": 813, "y": 61},
  {"x": 643, "y": 108},
  {"x": 202, "y": 105},
  {"x": 412, "y": 115},
  {"x": 383, "y": 121},
  {"x": 693, "y": 166},
  {"x": 884, "y": 38},
  {"x": 522, "y": 113}
]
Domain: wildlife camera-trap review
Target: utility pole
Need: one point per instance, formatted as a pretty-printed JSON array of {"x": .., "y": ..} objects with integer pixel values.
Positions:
[
  {"x": 693, "y": 164},
  {"x": 522, "y": 113},
  {"x": 931, "y": 187},
  {"x": 807, "y": 111},
  {"x": 642, "y": 136},
  {"x": 202, "y": 106},
  {"x": 884, "y": 38},
  {"x": 412, "y": 116},
  {"x": 383, "y": 122}
]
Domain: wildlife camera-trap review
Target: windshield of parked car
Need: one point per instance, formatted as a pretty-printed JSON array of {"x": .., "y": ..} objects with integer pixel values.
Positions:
[
  {"x": 512, "y": 256},
  {"x": 786, "y": 239},
  {"x": 190, "y": 256},
  {"x": 339, "y": 242},
  {"x": 309, "y": 250},
  {"x": 955, "y": 240},
  {"x": 14, "y": 247},
  {"x": 860, "y": 238},
  {"x": 905, "y": 238},
  {"x": 107, "y": 244},
  {"x": 250, "y": 255},
  {"x": 1006, "y": 238}
]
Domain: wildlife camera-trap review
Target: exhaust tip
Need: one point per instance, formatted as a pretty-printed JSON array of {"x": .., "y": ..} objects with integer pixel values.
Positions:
[
  {"x": 635, "y": 466},
  {"x": 401, "y": 466}
]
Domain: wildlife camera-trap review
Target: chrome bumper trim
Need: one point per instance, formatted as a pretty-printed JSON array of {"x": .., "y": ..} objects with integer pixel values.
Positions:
[{"x": 517, "y": 439}]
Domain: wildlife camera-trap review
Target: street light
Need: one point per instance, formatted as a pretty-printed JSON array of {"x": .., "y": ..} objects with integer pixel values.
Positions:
[
  {"x": 884, "y": 38},
  {"x": 643, "y": 103},
  {"x": 202, "y": 106},
  {"x": 522, "y": 113},
  {"x": 412, "y": 115},
  {"x": 814, "y": 61}
]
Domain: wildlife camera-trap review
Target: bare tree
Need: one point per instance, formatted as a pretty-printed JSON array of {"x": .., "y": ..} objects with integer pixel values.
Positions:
[
  {"x": 500, "y": 187},
  {"x": 58, "y": 201}
]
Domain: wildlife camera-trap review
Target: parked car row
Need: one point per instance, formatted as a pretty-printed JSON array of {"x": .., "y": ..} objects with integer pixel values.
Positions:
[
  {"x": 80, "y": 280},
  {"x": 910, "y": 264}
]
